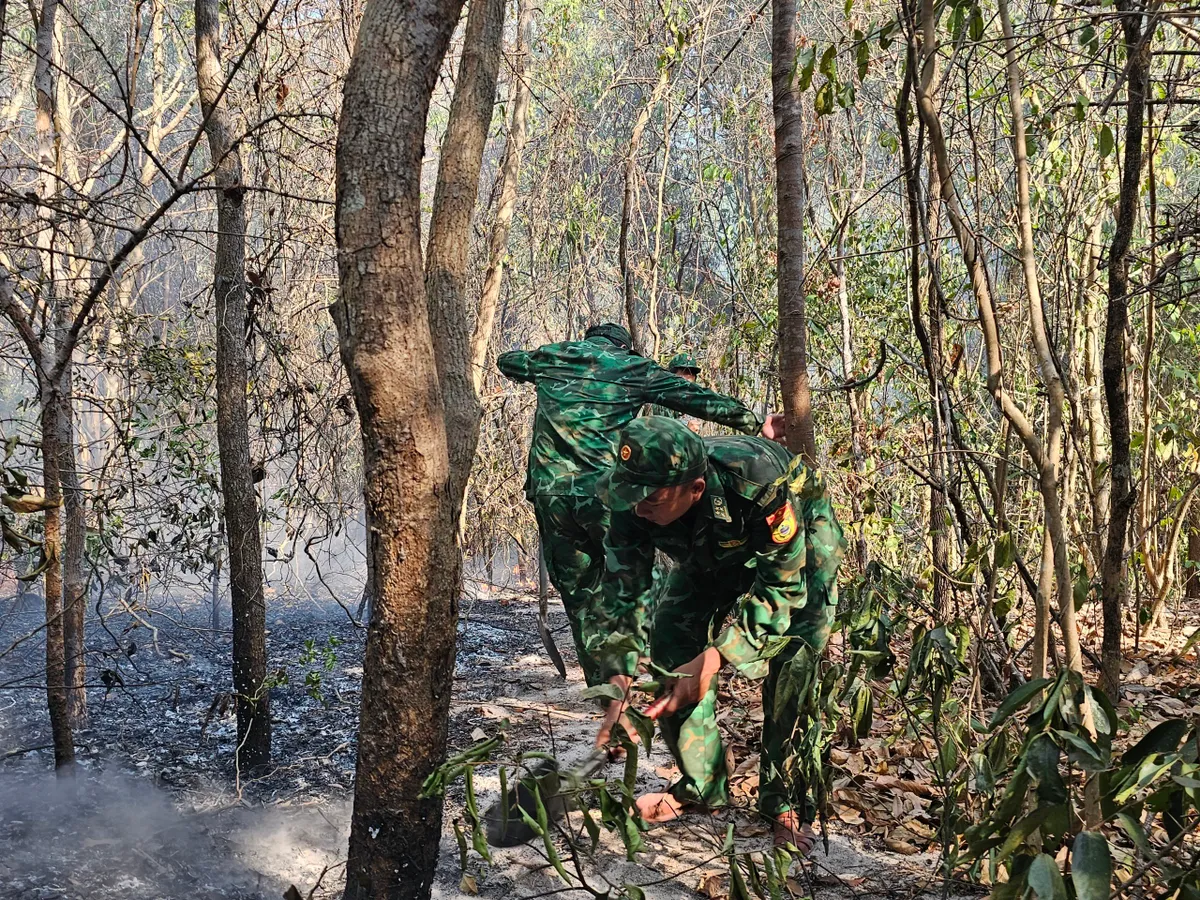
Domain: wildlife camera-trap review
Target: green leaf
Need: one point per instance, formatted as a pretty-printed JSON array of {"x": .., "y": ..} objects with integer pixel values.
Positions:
[
  {"x": 1042, "y": 759},
  {"x": 806, "y": 57},
  {"x": 1107, "y": 144},
  {"x": 975, "y": 24},
  {"x": 643, "y": 726},
  {"x": 1005, "y": 551},
  {"x": 1045, "y": 879},
  {"x": 863, "y": 56},
  {"x": 1091, "y": 866},
  {"x": 1017, "y": 699},
  {"x": 633, "y": 892},
  {"x": 604, "y": 691},
  {"x": 1162, "y": 738},
  {"x": 1136, "y": 832},
  {"x": 828, "y": 66},
  {"x": 823, "y": 103}
]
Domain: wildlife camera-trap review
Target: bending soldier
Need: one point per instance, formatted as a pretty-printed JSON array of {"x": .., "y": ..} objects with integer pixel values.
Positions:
[
  {"x": 587, "y": 391},
  {"x": 755, "y": 536}
]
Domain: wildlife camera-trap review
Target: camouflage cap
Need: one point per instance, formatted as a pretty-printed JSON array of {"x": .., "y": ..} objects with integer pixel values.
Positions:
[
  {"x": 618, "y": 334},
  {"x": 652, "y": 452},
  {"x": 683, "y": 361}
]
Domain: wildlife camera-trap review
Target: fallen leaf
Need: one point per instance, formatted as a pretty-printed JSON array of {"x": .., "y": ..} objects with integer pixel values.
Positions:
[
  {"x": 710, "y": 886},
  {"x": 468, "y": 885},
  {"x": 479, "y": 735},
  {"x": 902, "y": 847}
]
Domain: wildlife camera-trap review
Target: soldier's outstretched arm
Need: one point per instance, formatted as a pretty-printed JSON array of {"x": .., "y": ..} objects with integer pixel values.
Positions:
[
  {"x": 780, "y": 588},
  {"x": 666, "y": 389},
  {"x": 519, "y": 365}
]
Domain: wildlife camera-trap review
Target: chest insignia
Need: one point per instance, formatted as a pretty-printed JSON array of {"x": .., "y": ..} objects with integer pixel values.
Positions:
[{"x": 734, "y": 543}]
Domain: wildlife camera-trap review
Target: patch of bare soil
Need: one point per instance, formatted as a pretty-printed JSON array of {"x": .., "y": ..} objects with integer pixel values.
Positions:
[{"x": 157, "y": 809}]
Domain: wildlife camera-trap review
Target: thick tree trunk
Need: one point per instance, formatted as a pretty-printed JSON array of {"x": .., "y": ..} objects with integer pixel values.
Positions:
[
  {"x": 413, "y": 562},
  {"x": 233, "y": 430},
  {"x": 450, "y": 231},
  {"x": 1113, "y": 587},
  {"x": 791, "y": 203},
  {"x": 510, "y": 171}
]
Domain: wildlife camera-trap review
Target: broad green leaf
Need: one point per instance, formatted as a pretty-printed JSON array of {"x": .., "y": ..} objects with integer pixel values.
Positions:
[
  {"x": 975, "y": 24},
  {"x": 1107, "y": 144},
  {"x": 633, "y": 892},
  {"x": 1045, "y": 879},
  {"x": 604, "y": 691},
  {"x": 1018, "y": 699},
  {"x": 1162, "y": 738},
  {"x": 1091, "y": 866},
  {"x": 806, "y": 58}
]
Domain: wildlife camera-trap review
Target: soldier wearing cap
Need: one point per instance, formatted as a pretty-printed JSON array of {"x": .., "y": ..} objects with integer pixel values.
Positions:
[
  {"x": 587, "y": 391},
  {"x": 756, "y": 541},
  {"x": 685, "y": 366}
]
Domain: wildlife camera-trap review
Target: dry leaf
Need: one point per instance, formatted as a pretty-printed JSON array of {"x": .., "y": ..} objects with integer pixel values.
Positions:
[
  {"x": 479, "y": 735},
  {"x": 710, "y": 886},
  {"x": 468, "y": 885},
  {"x": 902, "y": 847}
]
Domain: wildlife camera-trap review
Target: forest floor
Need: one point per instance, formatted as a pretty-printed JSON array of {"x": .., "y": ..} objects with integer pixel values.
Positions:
[{"x": 157, "y": 810}]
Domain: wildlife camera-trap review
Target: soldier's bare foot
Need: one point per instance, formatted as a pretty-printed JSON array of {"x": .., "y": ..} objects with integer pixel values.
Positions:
[
  {"x": 660, "y": 807},
  {"x": 793, "y": 834}
]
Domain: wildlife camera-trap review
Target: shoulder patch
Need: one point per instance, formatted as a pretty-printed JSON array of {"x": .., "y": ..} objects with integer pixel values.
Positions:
[{"x": 782, "y": 523}]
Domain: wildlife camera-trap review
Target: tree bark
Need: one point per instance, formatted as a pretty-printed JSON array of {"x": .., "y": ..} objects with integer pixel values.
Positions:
[
  {"x": 1113, "y": 587},
  {"x": 1192, "y": 572},
  {"x": 413, "y": 562},
  {"x": 74, "y": 535},
  {"x": 627, "y": 203},
  {"x": 510, "y": 171},
  {"x": 449, "y": 246},
  {"x": 233, "y": 430},
  {"x": 791, "y": 203}
]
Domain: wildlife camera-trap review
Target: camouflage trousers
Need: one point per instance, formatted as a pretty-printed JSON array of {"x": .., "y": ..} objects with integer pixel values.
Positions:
[
  {"x": 690, "y": 610},
  {"x": 572, "y": 533}
]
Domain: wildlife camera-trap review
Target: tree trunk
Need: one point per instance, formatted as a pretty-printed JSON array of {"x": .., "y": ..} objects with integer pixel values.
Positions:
[
  {"x": 627, "y": 203},
  {"x": 1113, "y": 587},
  {"x": 450, "y": 231},
  {"x": 510, "y": 171},
  {"x": 791, "y": 204},
  {"x": 233, "y": 430},
  {"x": 56, "y": 684},
  {"x": 858, "y": 428},
  {"x": 1192, "y": 583},
  {"x": 413, "y": 563},
  {"x": 74, "y": 542}
]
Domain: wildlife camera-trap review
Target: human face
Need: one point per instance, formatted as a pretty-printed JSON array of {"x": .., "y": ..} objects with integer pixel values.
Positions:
[{"x": 668, "y": 504}]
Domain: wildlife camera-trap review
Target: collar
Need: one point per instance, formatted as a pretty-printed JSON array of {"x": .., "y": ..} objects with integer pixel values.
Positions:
[{"x": 715, "y": 492}]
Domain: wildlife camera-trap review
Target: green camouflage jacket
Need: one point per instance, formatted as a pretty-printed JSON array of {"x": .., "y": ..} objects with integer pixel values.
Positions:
[
  {"x": 587, "y": 391},
  {"x": 762, "y": 508}
]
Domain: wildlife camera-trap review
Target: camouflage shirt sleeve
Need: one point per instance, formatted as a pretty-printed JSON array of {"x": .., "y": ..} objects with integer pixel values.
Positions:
[
  {"x": 789, "y": 575},
  {"x": 517, "y": 365},
  {"x": 616, "y": 635},
  {"x": 664, "y": 388}
]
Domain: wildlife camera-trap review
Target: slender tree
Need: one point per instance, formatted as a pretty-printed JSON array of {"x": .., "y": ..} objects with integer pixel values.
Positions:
[{"x": 233, "y": 429}]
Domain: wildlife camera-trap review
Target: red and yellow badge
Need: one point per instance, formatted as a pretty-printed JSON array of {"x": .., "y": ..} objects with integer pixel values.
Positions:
[
  {"x": 626, "y": 452},
  {"x": 782, "y": 523}
]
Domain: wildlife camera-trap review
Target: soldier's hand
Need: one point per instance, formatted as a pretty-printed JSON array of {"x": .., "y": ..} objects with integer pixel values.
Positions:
[
  {"x": 775, "y": 428},
  {"x": 687, "y": 690},
  {"x": 615, "y": 712}
]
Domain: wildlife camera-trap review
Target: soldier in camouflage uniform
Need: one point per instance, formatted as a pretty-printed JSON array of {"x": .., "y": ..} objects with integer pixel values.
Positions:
[
  {"x": 685, "y": 366},
  {"x": 755, "y": 536},
  {"x": 587, "y": 391}
]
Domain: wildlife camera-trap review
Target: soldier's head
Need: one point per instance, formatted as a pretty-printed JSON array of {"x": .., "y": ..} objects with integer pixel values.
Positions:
[
  {"x": 685, "y": 366},
  {"x": 611, "y": 332},
  {"x": 659, "y": 470}
]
